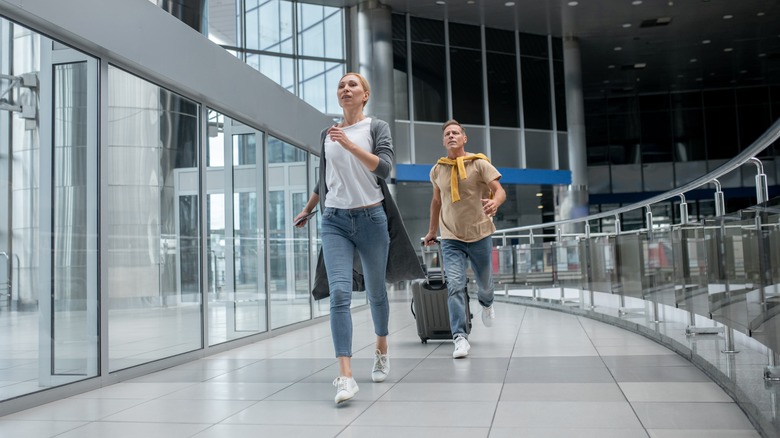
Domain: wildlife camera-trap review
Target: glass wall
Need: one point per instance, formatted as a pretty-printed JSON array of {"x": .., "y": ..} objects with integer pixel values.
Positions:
[
  {"x": 480, "y": 77},
  {"x": 48, "y": 199},
  {"x": 134, "y": 294},
  {"x": 153, "y": 239},
  {"x": 680, "y": 136},
  {"x": 235, "y": 230}
]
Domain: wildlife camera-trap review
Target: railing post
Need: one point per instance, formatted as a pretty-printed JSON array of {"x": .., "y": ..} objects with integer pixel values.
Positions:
[
  {"x": 720, "y": 203},
  {"x": 762, "y": 190},
  {"x": 683, "y": 210}
]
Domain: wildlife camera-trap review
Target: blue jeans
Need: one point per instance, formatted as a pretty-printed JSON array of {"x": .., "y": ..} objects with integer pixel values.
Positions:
[
  {"x": 455, "y": 254},
  {"x": 342, "y": 232}
]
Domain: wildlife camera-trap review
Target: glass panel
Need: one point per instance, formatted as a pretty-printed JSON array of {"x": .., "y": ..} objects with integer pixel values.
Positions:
[
  {"x": 289, "y": 255},
  {"x": 279, "y": 70},
  {"x": 223, "y": 22},
  {"x": 236, "y": 247},
  {"x": 318, "y": 82},
  {"x": 429, "y": 83},
  {"x": 249, "y": 308},
  {"x": 467, "y": 97},
  {"x": 720, "y": 121},
  {"x": 48, "y": 199},
  {"x": 400, "y": 79},
  {"x": 320, "y": 31},
  {"x": 152, "y": 232},
  {"x": 75, "y": 252},
  {"x": 269, "y": 26},
  {"x": 536, "y": 88},
  {"x": 502, "y": 90}
]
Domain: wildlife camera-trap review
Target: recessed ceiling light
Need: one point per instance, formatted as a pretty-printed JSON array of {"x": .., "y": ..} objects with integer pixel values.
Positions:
[
  {"x": 680, "y": 76},
  {"x": 640, "y": 65},
  {"x": 573, "y": 3},
  {"x": 762, "y": 55},
  {"x": 761, "y": 14},
  {"x": 441, "y": 2},
  {"x": 743, "y": 71},
  {"x": 636, "y": 2},
  {"x": 705, "y": 41},
  {"x": 728, "y": 49},
  {"x": 637, "y": 79},
  {"x": 509, "y": 4},
  {"x": 694, "y": 59},
  {"x": 728, "y": 17},
  {"x": 626, "y": 25},
  {"x": 733, "y": 81},
  {"x": 699, "y": 79},
  {"x": 617, "y": 49},
  {"x": 539, "y": 195},
  {"x": 607, "y": 81},
  {"x": 540, "y": 207},
  {"x": 611, "y": 66}
]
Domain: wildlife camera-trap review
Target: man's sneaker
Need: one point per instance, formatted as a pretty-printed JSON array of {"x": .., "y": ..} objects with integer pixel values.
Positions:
[
  {"x": 381, "y": 367},
  {"x": 488, "y": 315},
  {"x": 461, "y": 347},
  {"x": 346, "y": 388}
]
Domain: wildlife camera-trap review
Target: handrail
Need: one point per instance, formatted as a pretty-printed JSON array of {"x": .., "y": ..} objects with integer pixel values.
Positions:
[{"x": 764, "y": 141}]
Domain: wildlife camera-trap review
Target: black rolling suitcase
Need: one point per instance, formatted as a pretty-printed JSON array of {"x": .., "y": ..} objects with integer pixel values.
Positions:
[{"x": 429, "y": 299}]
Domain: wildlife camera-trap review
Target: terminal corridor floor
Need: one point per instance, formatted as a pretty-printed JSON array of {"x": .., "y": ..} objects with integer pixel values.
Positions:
[{"x": 535, "y": 373}]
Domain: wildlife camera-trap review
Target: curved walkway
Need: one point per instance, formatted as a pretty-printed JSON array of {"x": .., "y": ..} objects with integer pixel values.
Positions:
[{"x": 535, "y": 373}]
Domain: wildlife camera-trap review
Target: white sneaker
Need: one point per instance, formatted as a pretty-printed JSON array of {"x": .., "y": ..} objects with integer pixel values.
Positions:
[
  {"x": 346, "y": 388},
  {"x": 461, "y": 347},
  {"x": 488, "y": 315},
  {"x": 381, "y": 367}
]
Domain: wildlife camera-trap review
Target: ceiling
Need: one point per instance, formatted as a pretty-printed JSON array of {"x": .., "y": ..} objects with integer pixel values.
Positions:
[{"x": 691, "y": 44}]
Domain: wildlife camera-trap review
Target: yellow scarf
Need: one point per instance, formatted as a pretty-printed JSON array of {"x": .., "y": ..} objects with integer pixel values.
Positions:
[{"x": 458, "y": 168}]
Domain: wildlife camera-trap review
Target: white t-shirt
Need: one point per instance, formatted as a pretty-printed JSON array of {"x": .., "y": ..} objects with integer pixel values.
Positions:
[{"x": 350, "y": 184}]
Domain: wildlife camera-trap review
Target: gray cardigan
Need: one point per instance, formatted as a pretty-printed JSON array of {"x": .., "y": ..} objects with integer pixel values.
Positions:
[{"x": 402, "y": 260}]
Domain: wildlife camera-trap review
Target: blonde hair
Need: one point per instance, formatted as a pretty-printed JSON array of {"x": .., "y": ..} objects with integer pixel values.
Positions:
[
  {"x": 453, "y": 122},
  {"x": 363, "y": 83}
]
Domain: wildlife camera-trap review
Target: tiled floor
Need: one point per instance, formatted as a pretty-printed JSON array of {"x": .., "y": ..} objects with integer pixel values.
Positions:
[{"x": 535, "y": 373}]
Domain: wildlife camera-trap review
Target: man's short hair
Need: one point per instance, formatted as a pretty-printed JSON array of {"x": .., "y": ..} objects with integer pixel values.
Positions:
[{"x": 453, "y": 122}]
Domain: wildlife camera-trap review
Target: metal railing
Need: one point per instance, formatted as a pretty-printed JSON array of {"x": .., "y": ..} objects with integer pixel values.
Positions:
[{"x": 719, "y": 277}]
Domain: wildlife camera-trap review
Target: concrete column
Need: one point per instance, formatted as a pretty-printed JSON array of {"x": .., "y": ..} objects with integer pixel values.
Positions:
[
  {"x": 193, "y": 13},
  {"x": 573, "y": 200},
  {"x": 372, "y": 43}
]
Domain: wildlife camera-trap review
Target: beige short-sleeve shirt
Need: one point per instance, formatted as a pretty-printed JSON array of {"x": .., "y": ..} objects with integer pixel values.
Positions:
[{"x": 464, "y": 220}]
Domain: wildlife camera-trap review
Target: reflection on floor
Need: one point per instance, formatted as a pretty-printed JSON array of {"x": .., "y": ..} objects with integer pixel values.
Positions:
[{"x": 535, "y": 373}]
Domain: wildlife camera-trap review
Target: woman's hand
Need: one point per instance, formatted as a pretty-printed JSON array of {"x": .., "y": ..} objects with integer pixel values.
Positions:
[
  {"x": 337, "y": 134},
  {"x": 298, "y": 221}
]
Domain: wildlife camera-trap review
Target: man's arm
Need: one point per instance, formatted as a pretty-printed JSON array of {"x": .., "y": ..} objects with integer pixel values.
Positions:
[
  {"x": 490, "y": 206},
  {"x": 433, "y": 225}
]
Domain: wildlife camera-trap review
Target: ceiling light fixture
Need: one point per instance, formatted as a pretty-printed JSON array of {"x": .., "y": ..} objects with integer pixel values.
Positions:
[
  {"x": 694, "y": 60},
  {"x": 760, "y": 14},
  {"x": 728, "y": 49},
  {"x": 617, "y": 49},
  {"x": 626, "y": 25},
  {"x": 699, "y": 79},
  {"x": 540, "y": 207},
  {"x": 441, "y": 2},
  {"x": 573, "y": 3},
  {"x": 640, "y": 65},
  {"x": 539, "y": 195},
  {"x": 509, "y": 4},
  {"x": 728, "y": 17},
  {"x": 762, "y": 55},
  {"x": 611, "y": 66},
  {"x": 636, "y": 2},
  {"x": 705, "y": 41}
]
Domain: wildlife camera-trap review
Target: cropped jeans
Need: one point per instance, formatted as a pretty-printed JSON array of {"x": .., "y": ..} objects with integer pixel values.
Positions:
[
  {"x": 343, "y": 231},
  {"x": 455, "y": 255}
]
